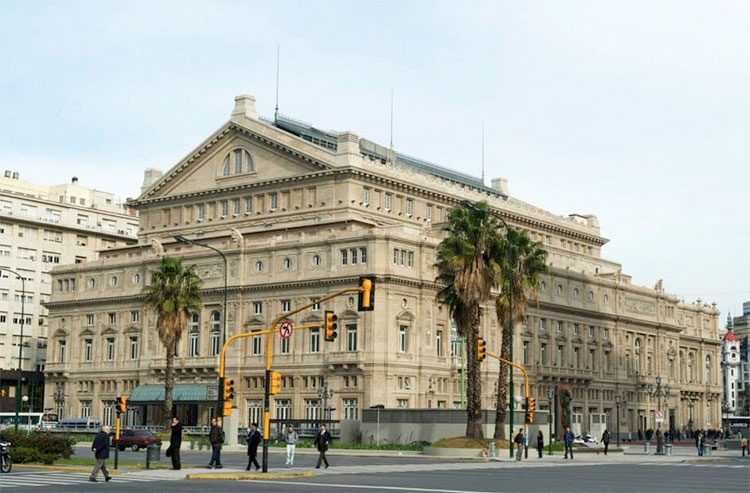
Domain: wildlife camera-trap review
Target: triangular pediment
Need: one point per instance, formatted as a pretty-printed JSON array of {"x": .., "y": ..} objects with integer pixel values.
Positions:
[{"x": 236, "y": 156}]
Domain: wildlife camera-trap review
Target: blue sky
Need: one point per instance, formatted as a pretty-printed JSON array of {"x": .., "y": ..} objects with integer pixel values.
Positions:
[{"x": 637, "y": 111}]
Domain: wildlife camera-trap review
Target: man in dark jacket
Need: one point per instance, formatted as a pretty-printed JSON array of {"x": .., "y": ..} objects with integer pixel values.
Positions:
[
  {"x": 605, "y": 441},
  {"x": 216, "y": 438},
  {"x": 568, "y": 438},
  {"x": 253, "y": 440},
  {"x": 322, "y": 439},
  {"x": 175, "y": 441},
  {"x": 101, "y": 452}
]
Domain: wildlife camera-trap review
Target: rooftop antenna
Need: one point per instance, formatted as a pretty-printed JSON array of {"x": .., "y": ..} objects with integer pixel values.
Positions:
[
  {"x": 276, "y": 111},
  {"x": 391, "y": 117},
  {"x": 482, "y": 153}
]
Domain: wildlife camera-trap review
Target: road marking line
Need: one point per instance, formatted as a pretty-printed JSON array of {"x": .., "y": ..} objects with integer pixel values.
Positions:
[{"x": 370, "y": 487}]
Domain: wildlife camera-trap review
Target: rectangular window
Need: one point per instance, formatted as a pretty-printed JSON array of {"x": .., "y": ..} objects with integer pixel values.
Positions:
[
  {"x": 90, "y": 320},
  {"x": 110, "y": 349},
  {"x": 314, "y": 340},
  {"x": 395, "y": 256},
  {"x": 402, "y": 341},
  {"x": 286, "y": 306},
  {"x": 284, "y": 346},
  {"x": 410, "y": 259},
  {"x": 224, "y": 208},
  {"x": 351, "y": 337},
  {"x": 134, "y": 347},
  {"x": 316, "y": 305},
  {"x": 88, "y": 348},
  {"x": 354, "y": 256},
  {"x": 576, "y": 329},
  {"x": 256, "y": 346},
  {"x": 193, "y": 345},
  {"x": 439, "y": 342},
  {"x": 525, "y": 353},
  {"x": 215, "y": 343},
  {"x": 238, "y": 161},
  {"x": 201, "y": 212},
  {"x": 62, "y": 351},
  {"x": 402, "y": 403},
  {"x": 388, "y": 201},
  {"x": 366, "y": 196},
  {"x": 543, "y": 354},
  {"x": 363, "y": 255},
  {"x": 559, "y": 326},
  {"x": 344, "y": 256},
  {"x": 409, "y": 207},
  {"x": 351, "y": 409},
  {"x": 273, "y": 201},
  {"x": 248, "y": 205},
  {"x": 429, "y": 212},
  {"x": 135, "y": 316},
  {"x": 560, "y": 360},
  {"x": 112, "y": 318},
  {"x": 591, "y": 332},
  {"x": 592, "y": 359},
  {"x": 236, "y": 207},
  {"x": 543, "y": 324},
  {"x": 258, "y": 308},
  {"x": 576, "y": 361}
]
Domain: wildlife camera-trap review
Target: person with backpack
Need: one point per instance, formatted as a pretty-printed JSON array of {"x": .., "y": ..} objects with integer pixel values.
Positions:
[
  {"x": 215, "y": 438},
  {"x": 605, "y": 441}
]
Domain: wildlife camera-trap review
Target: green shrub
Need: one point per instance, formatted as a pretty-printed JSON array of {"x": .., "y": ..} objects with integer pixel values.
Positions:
[
  {"x": 24, "y": 454},
  {"x": 47, "y": 459},
  {"x": 43, "y": 443}
]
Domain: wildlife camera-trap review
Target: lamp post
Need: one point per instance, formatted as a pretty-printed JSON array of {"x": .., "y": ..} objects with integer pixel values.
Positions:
[
  {"x": 469, "y": 204},
  {"x": 659, "y": 392},
  {"x": 20, "y": 344},
  {"x": 550, "y": 396},
  {"x": 690, "y": 419},
  {"x": 619, "y": 401},
  {"x": 324, "y": 393}
]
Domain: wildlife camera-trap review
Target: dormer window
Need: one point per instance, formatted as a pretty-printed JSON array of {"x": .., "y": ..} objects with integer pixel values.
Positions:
[{"x": 237, "y": 162}]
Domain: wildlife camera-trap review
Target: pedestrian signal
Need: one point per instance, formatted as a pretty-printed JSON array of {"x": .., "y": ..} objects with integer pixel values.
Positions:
[
  {"x": 122, "y": 404},
  {"x": 331, "y": 326},
  {"x": 275, "y": 383},
  {"x": 366, "y": 294},
  {"x": 481, "y": 349}
]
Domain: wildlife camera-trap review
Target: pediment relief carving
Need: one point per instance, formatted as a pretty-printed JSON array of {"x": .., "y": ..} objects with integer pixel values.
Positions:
[
  {"x": 133, "y": 330},
  {"x": 61, "y": 333},
  {"x": 405, "y": 316},
  {"x": 255, "y": 320},
  {"x": 349, "y": 314}
]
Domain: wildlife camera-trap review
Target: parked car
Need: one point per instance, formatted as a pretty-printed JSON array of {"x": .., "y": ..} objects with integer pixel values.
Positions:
[
  {"x": 585, "y": 439},
  {"x": 137, "y": 439}
]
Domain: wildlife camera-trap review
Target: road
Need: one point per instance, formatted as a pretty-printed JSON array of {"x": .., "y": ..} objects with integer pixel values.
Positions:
[{"x": 731, "y": 475}]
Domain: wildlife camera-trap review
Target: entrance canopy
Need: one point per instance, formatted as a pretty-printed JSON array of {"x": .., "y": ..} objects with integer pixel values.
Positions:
[{"x": 181, "y": 394}]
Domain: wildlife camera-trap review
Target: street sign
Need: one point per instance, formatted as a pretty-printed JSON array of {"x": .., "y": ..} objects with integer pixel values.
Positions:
[
  {"x": 659, "y": 416},
  {"x": 285, "y": 329}
]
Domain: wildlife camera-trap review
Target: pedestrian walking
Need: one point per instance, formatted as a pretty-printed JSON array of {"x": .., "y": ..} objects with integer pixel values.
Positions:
[
  {"x": 253, "y": 440},
  {"x": 568, "y": 438},
  {"x": 291, "y": 439},
  {"x": 101, "y": 452},
  {"x": 743, "y": 446},
  {"x": 701, "y": 443},
  {"x": 322, "y": 440},
  {"x": 540, "y": 443},
  {"x": 175, "y": 442},
  {"x": 215, "y": 438},
  {"x": 605, "y": 441},
  {"x": 520, "y": 442}
]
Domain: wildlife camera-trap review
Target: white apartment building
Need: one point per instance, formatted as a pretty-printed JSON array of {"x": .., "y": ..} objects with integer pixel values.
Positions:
[{"x": 42, "y": 227}]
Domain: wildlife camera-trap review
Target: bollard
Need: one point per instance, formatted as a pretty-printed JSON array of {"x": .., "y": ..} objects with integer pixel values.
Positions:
[
  {"x": 668, "y": 449},
  {"x": 707, "y": 450},
  {"x": 646, "y": 447},
  {"x": 491, "y": 452},
  {"x": 153, "y": 453}
]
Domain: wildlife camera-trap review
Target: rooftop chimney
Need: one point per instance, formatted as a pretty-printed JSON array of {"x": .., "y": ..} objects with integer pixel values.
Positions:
[
  {"x": 7, "y": 173},
  {"x": 74, "y": 180},
  {"x": 150, "y": 176},
  {"x": 15, "y": 175},
  {"x": 244, "y": 105},
  {"x": 501, "y": 185}
]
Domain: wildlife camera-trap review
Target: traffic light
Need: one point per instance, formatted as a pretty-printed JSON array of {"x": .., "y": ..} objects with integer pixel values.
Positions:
[
  {"x": 532, "y": 405},
  {"x": 366, "y": 294},
  {"x": 122, "y": 404},
  {"x": 228, "y": 397},
  {"x": 331, "y": 325},
  {"x": 275, "y": 383},
  {"x": 481, "y": 349}
]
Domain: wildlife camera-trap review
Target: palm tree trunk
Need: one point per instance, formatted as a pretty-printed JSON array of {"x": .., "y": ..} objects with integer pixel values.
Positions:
[
  {"x": 474, "y": 383},
  {"x": 169, "y": 382},
  {"x": 502, "y": 386}
]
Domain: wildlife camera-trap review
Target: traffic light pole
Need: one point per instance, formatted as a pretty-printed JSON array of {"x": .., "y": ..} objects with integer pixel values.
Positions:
[
  {"x": 526, "y": 389},
  {"x": 117, "y": 439}
]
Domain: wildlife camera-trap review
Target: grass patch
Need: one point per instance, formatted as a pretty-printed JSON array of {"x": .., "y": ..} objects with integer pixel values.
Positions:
[
  {"x": 470, "y": 443},
  {"x": 417, "y": 447},
  {"x": 138, "y": 464}
]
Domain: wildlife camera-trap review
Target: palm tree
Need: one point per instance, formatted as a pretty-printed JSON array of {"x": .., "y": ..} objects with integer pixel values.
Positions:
[
  {"x": 467, "y": 269},
  {"x": 529, "y": 260},
  {"x": 174, "y": 293}
]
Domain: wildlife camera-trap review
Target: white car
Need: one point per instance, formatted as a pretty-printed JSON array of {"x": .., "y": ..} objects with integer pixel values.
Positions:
[{"x": 586, "y": 439}]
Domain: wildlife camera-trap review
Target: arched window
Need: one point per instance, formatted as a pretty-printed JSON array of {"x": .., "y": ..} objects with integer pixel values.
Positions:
[
  {"x": 542, "y": 286},
  {"x": 215, "y": 333},
  {"x": 215, "y": 320},
  {"x": 691, "y": 360},
  {"x": 225, "y": 172},
  {"x": 250, "y": 162},
  {"x": 637, "y": 362},
  {"x": 195, "y": 322},
  {"x": 238, "y": 161},
  {"x": 708, "y": 369},
  {"x": 259, "y": 266}
]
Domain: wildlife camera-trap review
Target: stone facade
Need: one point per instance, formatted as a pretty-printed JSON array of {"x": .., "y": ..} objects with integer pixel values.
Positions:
[
  {"x": 42, "y": 227},
  {"x": 301, "y": 213}
]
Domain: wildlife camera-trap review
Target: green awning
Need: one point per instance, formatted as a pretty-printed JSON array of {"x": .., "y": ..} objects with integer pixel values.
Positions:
[{"x": 181, "y": 394}]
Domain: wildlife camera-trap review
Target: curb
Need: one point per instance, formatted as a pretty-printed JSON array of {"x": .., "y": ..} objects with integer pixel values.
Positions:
[
  {"x": 710, "y": 459},
  {"x": 113, "y": 472},
  {"x": 250, "y": 475}
]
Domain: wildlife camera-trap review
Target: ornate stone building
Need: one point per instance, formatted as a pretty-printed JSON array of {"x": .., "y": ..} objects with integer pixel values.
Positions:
[{"x": 300, "y": 213}]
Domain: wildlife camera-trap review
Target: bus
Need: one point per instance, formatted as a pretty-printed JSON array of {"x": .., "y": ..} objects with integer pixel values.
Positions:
[
  {"x": 28, "y": 421},
  {"x": 79, "y": 424}
]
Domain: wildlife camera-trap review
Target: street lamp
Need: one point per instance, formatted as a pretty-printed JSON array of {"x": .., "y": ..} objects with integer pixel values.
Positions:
[
  {"x": 550, "y": 396},
  {"x": 324, "y": 393},
  {"x": 659, "y": 392},
  {"x": 471, "y": 205},
  {"x": 20, "y": 344},
  {"x": 188, "y": 241},
  {"x": 690, "y": 420}
]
